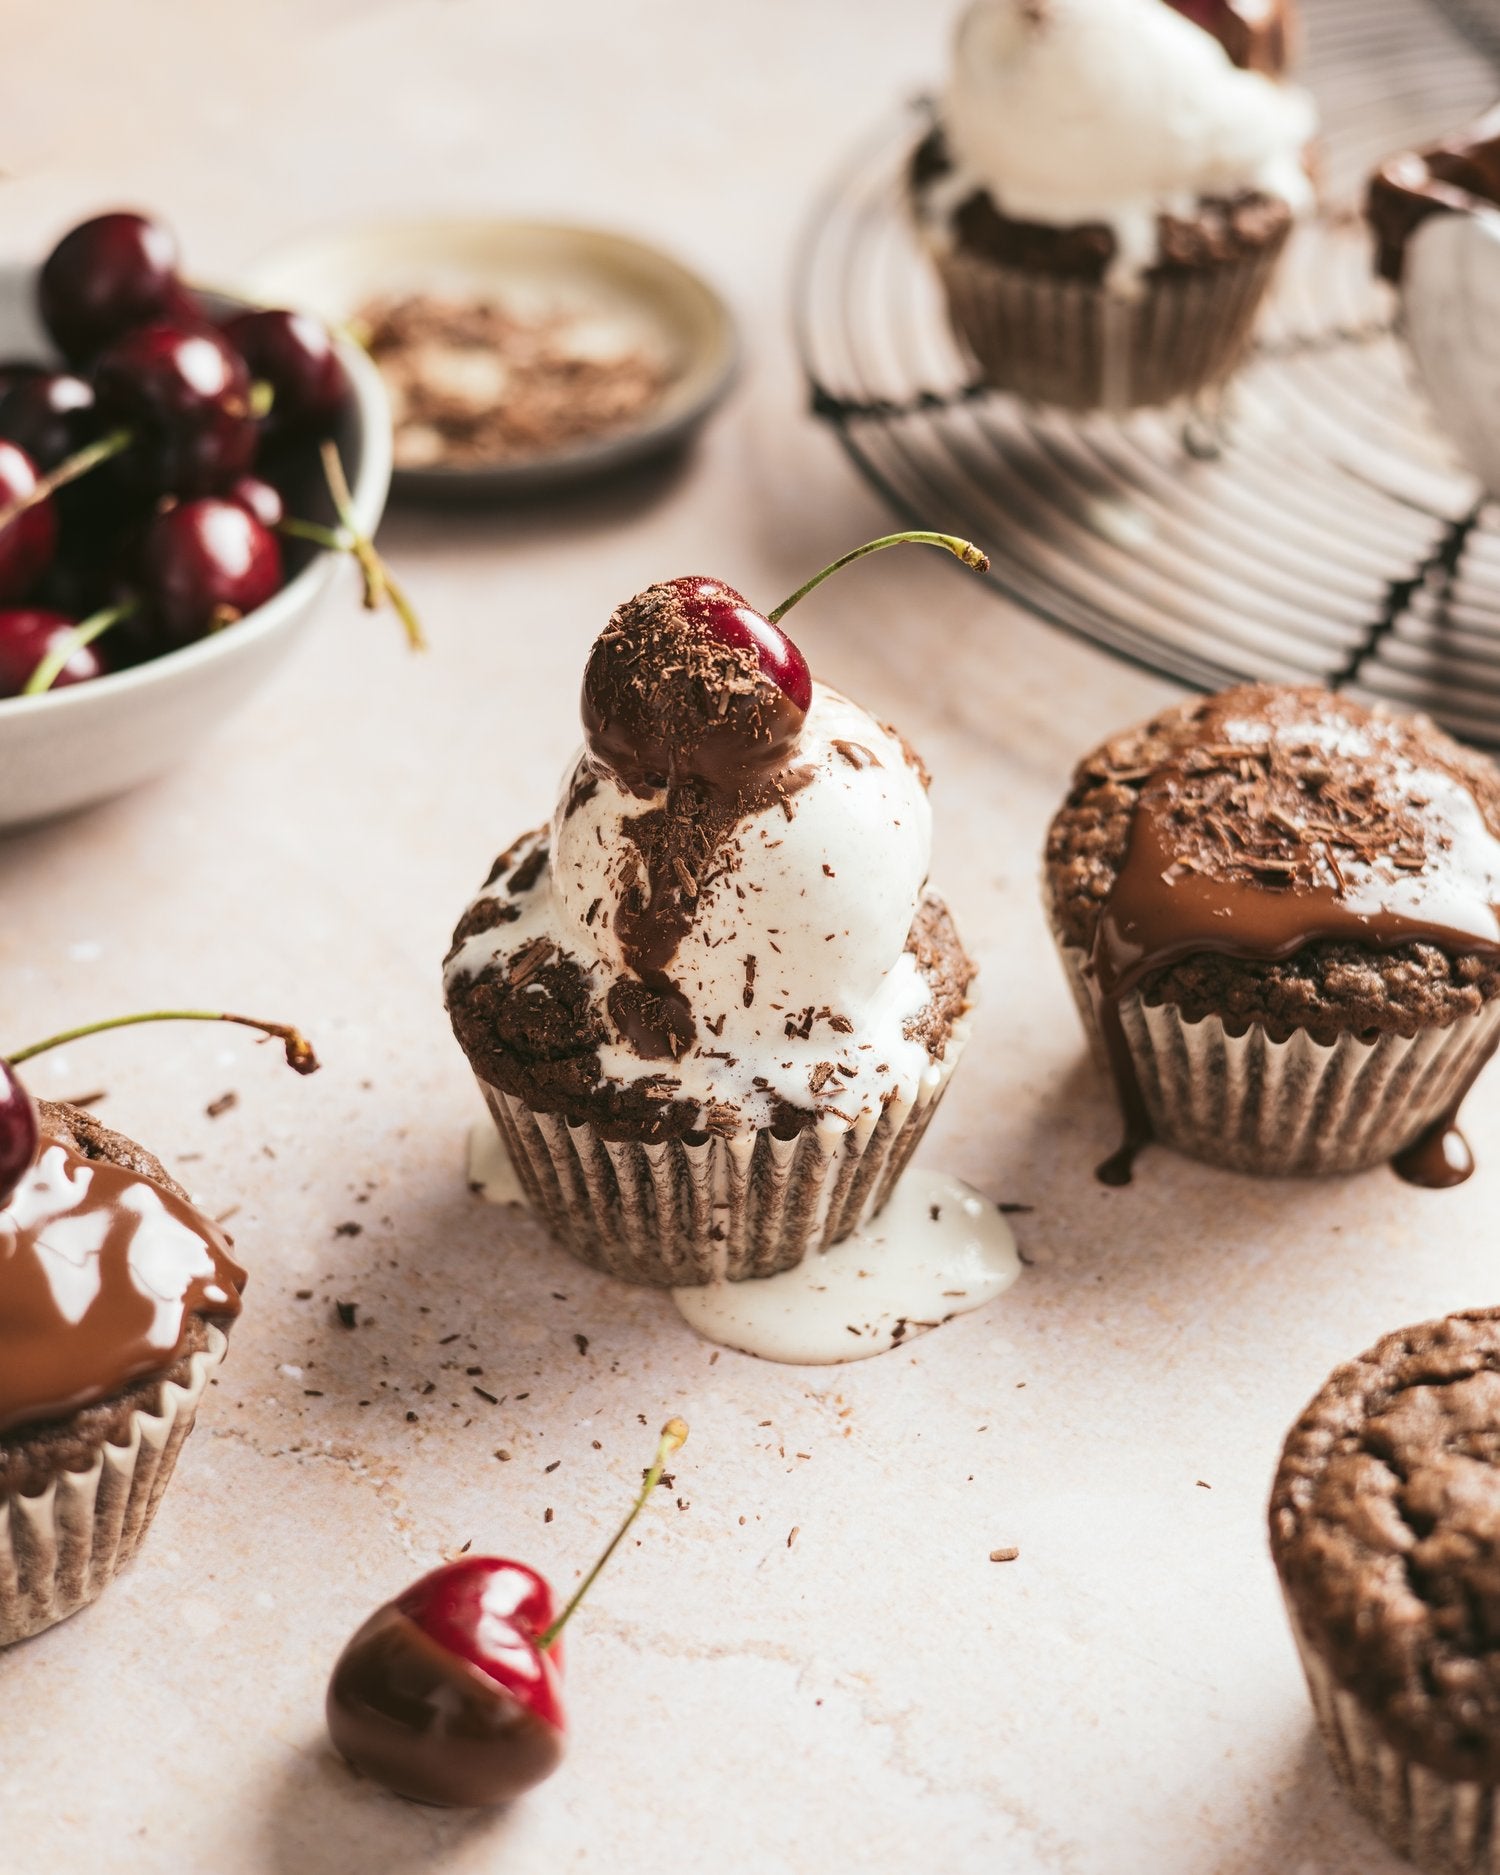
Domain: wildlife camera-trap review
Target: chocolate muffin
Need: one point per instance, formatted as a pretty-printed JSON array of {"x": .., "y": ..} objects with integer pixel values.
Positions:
[
  {"x": 1106, "y": 195},
  {"x": 116, "y": 1296},
  {"x": 1277, "y": 910},
  {"x": 713, "y": 1006},
  {"x": 1385, "y": 1529}
]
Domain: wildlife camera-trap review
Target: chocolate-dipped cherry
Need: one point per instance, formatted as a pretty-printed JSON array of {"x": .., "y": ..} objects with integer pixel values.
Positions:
[
  {"x": 28, "y": 538},
  {"x": 294, "y": 354},
  {"x": 177, "y": 401},
  {"x": 450, "y": 1693},
  {"x": 204, "y": 564},
  {"x": 105, "y": 276},
  {"x": 31, "y": 640},
  {"x": 689, "y": 683},
  {"x": 18, "y": 1120}
]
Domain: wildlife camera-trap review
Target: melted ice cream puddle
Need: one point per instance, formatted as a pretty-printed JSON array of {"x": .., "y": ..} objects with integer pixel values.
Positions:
[{"x": 937, "y": 1249}]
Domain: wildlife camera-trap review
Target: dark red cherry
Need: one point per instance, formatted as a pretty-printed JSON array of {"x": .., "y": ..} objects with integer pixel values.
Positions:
[
  {"x": 293, "y": 353},
  {"x": 444, "y": 1694},
  {"x": 184, "y": 395},
  {"x": 50, "y": 415},
  {"x": 261, "y": 497},
  {"x": 688, "y": 682},
  {"x": 27, "y": 543},
  {"x": 14, "y": 371},
  {"x": 204, "y": 564},
  {"x": 106, "y": 276},
  {"x": 27, "y": 635},
  {"x": 19, "y": 1133}
]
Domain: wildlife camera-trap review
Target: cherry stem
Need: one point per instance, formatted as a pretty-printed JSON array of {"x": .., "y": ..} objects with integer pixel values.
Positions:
[
  {"x": 58, "y": 658},
  {"x": 89, "y": 457},
  {"x": 299, "y": 1052},
  {"x": 673, "y": 1438},
  {"x": 962, "y": 549},
  {"x": 380, "y": 583}
]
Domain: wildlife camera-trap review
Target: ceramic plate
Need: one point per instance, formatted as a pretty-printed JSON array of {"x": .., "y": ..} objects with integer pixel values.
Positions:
[{"x": 653, "y": 300}]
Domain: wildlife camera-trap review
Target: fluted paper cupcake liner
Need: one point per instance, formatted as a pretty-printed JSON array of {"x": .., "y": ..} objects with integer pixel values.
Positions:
[
  {"x": 1444, "y": 1825},
  {"x": 1083, "y": 346},
  {"x": 694, "y": 1211},
  {"x": 1296, "y": 1107},
  {"x": 60, "y": 1549}
]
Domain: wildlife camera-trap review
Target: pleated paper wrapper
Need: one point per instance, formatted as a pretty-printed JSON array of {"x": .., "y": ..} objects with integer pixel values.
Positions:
[
  {"x": 737, "y": 1207},
  {"x": 1078, "y": 345},
  {"x": 1289, "y": 1108},
  {"x": 61, "y": 1549},
  {"x": 1443, "y": 1825}
]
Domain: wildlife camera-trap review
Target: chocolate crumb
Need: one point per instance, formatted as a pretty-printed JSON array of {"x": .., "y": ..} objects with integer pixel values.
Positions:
[
  {"x": 348, "y": 1314},
  {"x": 1008, "y": 1554},
  {"x": 224, "y": 1104}
]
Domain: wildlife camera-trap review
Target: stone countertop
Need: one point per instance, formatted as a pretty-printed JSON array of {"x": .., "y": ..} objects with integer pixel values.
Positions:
[{"x": 807, "y": 1662}]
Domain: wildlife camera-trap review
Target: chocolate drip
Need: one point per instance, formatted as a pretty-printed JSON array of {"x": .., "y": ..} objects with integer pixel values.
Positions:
[
  {"x": 429, "y": 1725},
  {"x": 1459, "y": 176},
  {"x": 101, "y": 1270},
  {"x": 1292, "y": 819}
]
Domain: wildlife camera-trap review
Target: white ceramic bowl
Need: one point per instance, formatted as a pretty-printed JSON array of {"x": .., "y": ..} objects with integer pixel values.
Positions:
[
  {"x": 1450, "y": 303},
  {"x": 78, "y": 746}
]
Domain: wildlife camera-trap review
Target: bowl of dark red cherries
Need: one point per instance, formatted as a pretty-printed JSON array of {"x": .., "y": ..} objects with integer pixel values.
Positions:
[{"x": 181, "y": 476}]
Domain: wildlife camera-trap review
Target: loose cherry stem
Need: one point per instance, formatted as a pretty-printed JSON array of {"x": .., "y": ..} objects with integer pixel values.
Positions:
[
  {"x": 380, "y": 582},
  {"x": 961, "y": 549},
  {"x": 89, "y": 457},
  {"x": 299, "y": 1052},
  {"x": 673, "y": 1438},
  {"x": 57, "y": 659}
]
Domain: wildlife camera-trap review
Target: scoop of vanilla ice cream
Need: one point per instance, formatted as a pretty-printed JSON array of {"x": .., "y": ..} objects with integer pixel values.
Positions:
[
  {"x": 801, "y": 925},
  {"x": 1114, "y": 111}
]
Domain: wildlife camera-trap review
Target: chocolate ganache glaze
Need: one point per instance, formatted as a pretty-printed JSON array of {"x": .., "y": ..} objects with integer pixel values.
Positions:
[
  {"x": 101, "y": 1269},
  {"x": 688, "y": 690},
  {"x": 1267, "y": 823},
  {"x": 1459, "y": 176}
]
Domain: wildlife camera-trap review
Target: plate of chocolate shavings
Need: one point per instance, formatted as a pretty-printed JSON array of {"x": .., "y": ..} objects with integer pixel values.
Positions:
[{"x": 517, "y": 356}]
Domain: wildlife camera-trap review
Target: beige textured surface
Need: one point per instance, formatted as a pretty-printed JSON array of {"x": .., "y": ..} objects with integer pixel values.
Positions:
[{"x": 1124, "y": 1697}]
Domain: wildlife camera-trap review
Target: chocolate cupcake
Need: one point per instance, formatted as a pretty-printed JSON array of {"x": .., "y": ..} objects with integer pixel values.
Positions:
[
  {"x": 713, "y": 1006},
  {"x": 116, "y": 1295},
  {"x": 1106, "y": 196},
  {"x": 1277, "y": 910},
  {"x": 1385, "y": 1529}
]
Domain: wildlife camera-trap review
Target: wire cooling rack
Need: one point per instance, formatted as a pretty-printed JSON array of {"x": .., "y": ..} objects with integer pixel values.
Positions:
[{"x": 1324, "y": 532}]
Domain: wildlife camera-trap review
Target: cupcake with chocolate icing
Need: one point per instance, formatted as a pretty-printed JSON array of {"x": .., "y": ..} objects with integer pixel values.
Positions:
[
  {"x": 1385, "y": 1529},
  {"x": 1278, "y": 913},
  {"x": 1108, "y": 190},
  {"x": 116, "y": 1296},
  {"x": 713, "y": 1006}
]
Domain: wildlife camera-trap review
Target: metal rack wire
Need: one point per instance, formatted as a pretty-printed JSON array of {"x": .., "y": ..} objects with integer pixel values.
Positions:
[{"x": 1328, "y": 536}]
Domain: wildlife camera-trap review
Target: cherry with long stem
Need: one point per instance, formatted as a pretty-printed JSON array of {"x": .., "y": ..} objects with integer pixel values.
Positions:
[
  {"x": 299, "y": 1051},
  {"x": 964, "y": 550},
  {"x": 673, "y": 1438},
  {"x": 19, "y": 1132}
]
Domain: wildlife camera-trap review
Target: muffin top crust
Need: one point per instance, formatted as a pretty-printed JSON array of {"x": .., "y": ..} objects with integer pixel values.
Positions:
[
  {"x": 1285, "y": 855},
  {"x": 1385, "y": 1528}
]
